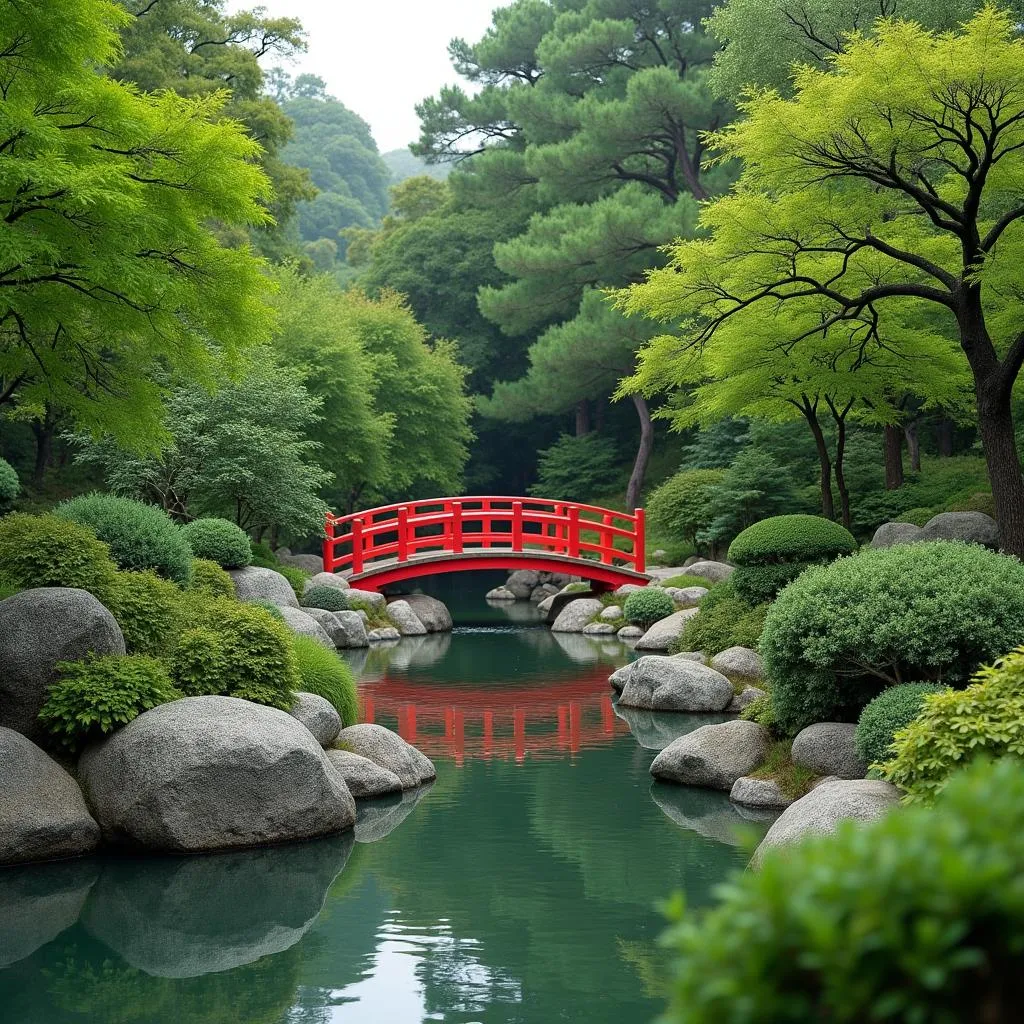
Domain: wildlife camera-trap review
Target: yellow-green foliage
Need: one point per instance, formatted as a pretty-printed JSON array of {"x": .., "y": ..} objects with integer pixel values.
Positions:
[
  {"x": 725, "y": 620},
  {"x": 149, "y": 611},
  {"x": 324, "y": 673},
  {"x": 209, "y": 578},
  {"x": 955, "y": 726}
]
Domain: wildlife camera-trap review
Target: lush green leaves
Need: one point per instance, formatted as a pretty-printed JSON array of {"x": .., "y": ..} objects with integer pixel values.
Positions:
[
  {"x": 219, "y": 541},
  {"x": 329, "y": 598},
  {"x": 576, "y": 468},
  {"x": 324, "y": 673},
  {"x": 149, "y": 611},
  {"x": 892, "y": 710},
  {"x": 792, "y": 538},
  {"x": 681, "y": 506},
  {"x": 647, "y": 606},
  {"x": 9, "y": 486},
  {"x": 210, "y": 579},
  {"x": 724, "y": 620}
]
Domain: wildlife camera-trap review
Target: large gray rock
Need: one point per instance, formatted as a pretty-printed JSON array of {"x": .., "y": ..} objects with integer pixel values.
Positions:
[
  {"x": 42, "y": 813},
  {"x": 364, "y": 778},
  {"x": 404, "y": 618},
  {"x": 543, "y": 592},
  {"x": 890, "y": 534},
  {"x": 345, "y": 629},
  {"x": 326, "y": 579},
  {"x": 621, "y": 593},
  {"x": 38, "y": 629},
  {"x": 664, "y": 631},
  {"x": 714, "y": 756},
  {"x": 318, "y": 715},
  {"x": 669, "y": 684},
  {"x": 389, "y": 750},
  {"x": 432, "y": 613},
  {"x": 655, "y": 730},
  {"x": 618, "y": 678},
  {"x": 971, "y": 527},
  {"x": 576, "y": 614},
  {"x": 307, "y": 563},
  {"x": 698, "y": 656},
  {"x": 821, "y": 810},
  {"x": 298, "y": 620},
  {"x": 758, "y": 793},
  {"x": 254, "y": 583},
  {"x": 370, "y": 598},
  {"x": 744, "y": 699},
  {"x": 182, "y": 917},
  {"x": 210, "y": 773},
  {"x": 827, "y": 748},
  {"x": 376, "y": 819},
  {"x": 522, "y": 582},
  {"x": 500, "y": 594},
  {"x": 599, "y": 629},
  {"x": 740, "y": 664},
  {"x": 687, "y": 597},
  {"x": 386, "y": 633},
  {"x": 716, "y": 572},
  {"x": 630, "y": 633}
]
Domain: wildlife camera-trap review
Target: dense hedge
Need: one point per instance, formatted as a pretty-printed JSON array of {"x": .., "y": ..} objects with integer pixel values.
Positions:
[
  {"x": 9, "y": 485},
  {"x": 140, "y": 536},
  {"x": 220, "y": 541},
  {"x": 954, "y": 727},
  {"x": 843, "y": 632},
  {"x": 331, "y": 599},
  {"x": 647, "y": 606},
  {"x": 725, "y": 620},
  {"x": 209, "y": 578},
  {"x": 893, "y": 709},
  {"x": 324, "y": 673},
  {"x": 149, "y": 611},
  {"x": 918, "y": 917}
]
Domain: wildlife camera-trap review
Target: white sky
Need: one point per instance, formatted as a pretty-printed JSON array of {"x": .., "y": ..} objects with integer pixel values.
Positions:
[{"x": 381, "y": 57}]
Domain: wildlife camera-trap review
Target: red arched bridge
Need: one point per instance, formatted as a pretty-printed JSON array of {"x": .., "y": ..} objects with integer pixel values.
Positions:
[{"x": 422, "y": 538}]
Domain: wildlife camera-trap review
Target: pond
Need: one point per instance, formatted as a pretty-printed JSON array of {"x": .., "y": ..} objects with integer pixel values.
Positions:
[{"x": 520, "y": 887}]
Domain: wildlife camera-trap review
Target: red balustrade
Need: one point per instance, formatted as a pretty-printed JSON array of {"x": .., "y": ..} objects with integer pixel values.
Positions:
[{"x": 449, "y": 534}]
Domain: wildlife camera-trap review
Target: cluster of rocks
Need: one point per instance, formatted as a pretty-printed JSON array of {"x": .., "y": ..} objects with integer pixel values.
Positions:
[
  {"x": 969, "y": 527},
  {"x": 530, "y": 585}
]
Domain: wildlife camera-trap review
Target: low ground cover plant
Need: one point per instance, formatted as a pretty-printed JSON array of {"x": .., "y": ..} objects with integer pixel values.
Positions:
[
  {"x": 725, "y": 620},
  {"x": 149, "y": 611}
]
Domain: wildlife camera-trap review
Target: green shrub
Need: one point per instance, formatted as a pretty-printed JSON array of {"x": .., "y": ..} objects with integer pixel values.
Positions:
[
  {"x": 96, "y": 696},
  {"x": 793, "y": 780},
  {"x": 44, "y": 551},
  {"x": 725, "y": 620},
  {"x": 324, "y": 673},
  {"x": 979, "y": 501},
  {"x": 9, "y": 485},
  {"x": 929, "y": 612},
  {"x": 149, "y": 611},
  {"x": 298, "y": 578},
  {"x": 263, "y": 556},
  {"x": 647, "y": 606},
  {"x": 918, "y": 917},
  {"x": 680, "y": 508},
  {"x": 220, "y": 541},
  {"x": 953, "y": 727},
  {"x": 235, "y": 649},
  {"x": 916, "y": 516},
  {"x": 209, "y": 578},
  {"x": 8, "y": 588},
  {"x": 270, "y": 607},
  {"x": 893, "y": 709},
  {"x": 576, "y": 468},
  {"x": 331, "y": 599},
  {"x": 140, "y": 536},
  {"x": 760, "y": 710}
]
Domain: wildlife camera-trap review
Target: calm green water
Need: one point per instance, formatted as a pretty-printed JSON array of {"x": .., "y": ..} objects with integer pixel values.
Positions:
[{"x": 520, "y": 887}]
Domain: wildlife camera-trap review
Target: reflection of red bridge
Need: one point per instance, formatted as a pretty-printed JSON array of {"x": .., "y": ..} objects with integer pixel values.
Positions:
[{"x": 498, "y": 721}]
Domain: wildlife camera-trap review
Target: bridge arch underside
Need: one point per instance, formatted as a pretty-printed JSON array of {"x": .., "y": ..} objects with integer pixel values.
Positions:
[{"x": 600, "y": 575}]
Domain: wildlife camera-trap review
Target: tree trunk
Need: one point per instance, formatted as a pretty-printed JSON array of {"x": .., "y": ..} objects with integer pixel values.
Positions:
[
  {"x": 913, "y": 445},
  {"x": 893, "y": 457},
  {"x": 44, "y": 431},
  {"x": 828, "y": 509},
  {"x": 643, "y": 454},
  {"x": 582, "y": 417},
  {"x": 995, "y": 425},
  {"x": 945, "y": 437},
  {"x": 844, "y": 493}
]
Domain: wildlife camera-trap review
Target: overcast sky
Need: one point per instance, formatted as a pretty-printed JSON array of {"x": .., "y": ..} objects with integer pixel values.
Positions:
[{"x": 381, "y": 57}]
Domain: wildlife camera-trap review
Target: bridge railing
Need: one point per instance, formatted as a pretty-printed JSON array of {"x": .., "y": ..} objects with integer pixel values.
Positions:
[{"x": 398, "y": 533}]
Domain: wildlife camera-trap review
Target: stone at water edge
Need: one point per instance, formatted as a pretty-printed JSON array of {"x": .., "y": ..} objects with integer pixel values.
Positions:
[
  {"x": 299, "y": 621},
  {"x": 758, "y": 793},
  {"x": 618, "y": 678},
  {"x": 576, "y": 614},
  {"x": 318, "y": 715},
  {"x": 212, "y": 773},
  {"x": 545, "y": 605},
  {"x": 389, "y": 750},
  {"x": 612, "y": 613},
  {"x": 890, "y": 534},
  {"x": 543, "y": 592},
  {"x": 522, "y": 582},
  {"x": 364, "y": 778},
  {"x": 660, "y": 636},
  {"x": 828, "y": 748},
  {"x": 714, "y": 756},
  {"x": 739, "y": 663},
  {"x": 599, "y": 629},
  {"x": 667, "y": 684},
  {"x": 744, "y": 699},
  {"x": 380, "y": 818},
  {"x": 431, "y": 612},
  {"x": 500, "y": 594},
  {"x": 716, "y": 572},
  {"x": 630, "y": 633},
  {"x": 368, "y": 597},
  {"x": 384, "y": 633},
  {"x": 821, "y": 810},
  {"x": 42, "y": 813},
  {"x": 326, "y": 579},
  {"x": 38, "y": 629},
  {"x": 404, "y": 618},
  {"x": 345, "y": 629},
  {"x": 254, "y": 583}
]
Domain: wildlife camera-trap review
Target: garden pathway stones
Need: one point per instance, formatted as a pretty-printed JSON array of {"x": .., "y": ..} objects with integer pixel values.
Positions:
[
  {"x": 364, "y": 778},
  {"x": 659, "y": 636},
  {"x": 669, "y": 684},
  {"x": 318, "y": 715},
  {"x": 714, "y": 756},
  {"x": 254, "y": 583},
  {"x": 390, "y": 751},
  {"x": 828, "y": 748}
]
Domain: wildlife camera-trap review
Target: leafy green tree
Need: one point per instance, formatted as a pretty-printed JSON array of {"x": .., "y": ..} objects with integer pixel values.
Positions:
[
  {"x": 110, "y": 267},
  {"x": 893, "y": 192},
  {"x": 576, "y": 468}
]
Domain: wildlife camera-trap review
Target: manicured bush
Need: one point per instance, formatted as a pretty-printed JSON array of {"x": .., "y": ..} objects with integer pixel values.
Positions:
[
  {"x": 324, "y": 673},
  {"x": 725, "y": 620},
  {"x": 844, "y": 632},
  {"x": 774, "y": 552},
  {"x": 681, "y": 507},
  {"x": 44, "y": 551},
  {"x": 140, "y": 536},
  {"x": 917, "y": 917},
  {"x": 953, "y": 727},
  {"x": 220, "y": 541},
  {"x": 263, "y": 556},
  {"x": 331, "y": 599},
  {"x": 149, "y": 611},
  {"x": 209, "y": 578},
  {"x": 892, "y": 710},
  {"x": 9, "y": 485},
  {"x": 238, "y": 650},
  {"x": 647, "y": 606},
  {"x": 96, "y": 696}
]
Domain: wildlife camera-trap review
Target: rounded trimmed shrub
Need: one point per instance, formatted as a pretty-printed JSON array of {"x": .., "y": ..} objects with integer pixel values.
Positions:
[
  {"x": 96, "y": 696},
  {"x": 9, "y": 485},
  {"x": 209, "y": 578},
  {"x": 955, "y": 726},
  {"x": 324, "y": 673},
  {"x": 331, "y": 599},
  {"x": 647, "y": 606},
  {"x": 140, "y": 536},
  {"x": 44, "y": 551},
  {"x": 149, "y": 611},
  {"x": 235, "y": 649},
  {"x": 681, "y": 507},
  {"x": 843, "y": 632},
  {"x": 893, "y": 709},
  {"x": 724, "y": 620},
  {"x": 220, "y": 541},
  {"x": 917, "y": 917},
  {"x": 772, "y": 553}
]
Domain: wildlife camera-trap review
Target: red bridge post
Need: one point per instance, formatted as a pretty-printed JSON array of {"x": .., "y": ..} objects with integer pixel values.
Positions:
[
  {"x": 403, "y": 534},
  {"x": 457, "y": 527},
  {"x": 640, "y": 542},
  {"x": 357, "y": 545}
]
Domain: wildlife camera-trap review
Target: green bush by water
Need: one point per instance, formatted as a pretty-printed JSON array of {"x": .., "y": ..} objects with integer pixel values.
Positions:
[
  {"x": 843, "y": 632},
  {"x": 97, "y": 696},
  {"x": 324, "y": 673},
  {"x": 647, "y": 606},
  {"x": 140, "y": 536},
  {"x": 893, "y": 709},
  {"x": 220, "y": 541},
  {"x": 918, "y": 917},
  {"x": 331, "y": 599},
  {"x": 725, "y": 620},
  {"x": 209, "y": 578}
]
